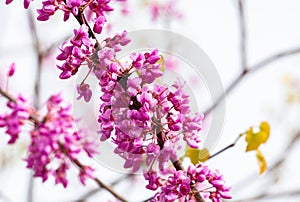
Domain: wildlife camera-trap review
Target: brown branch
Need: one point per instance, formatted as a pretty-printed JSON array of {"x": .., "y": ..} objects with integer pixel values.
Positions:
[
  {"x": 226, "y": 148},
  {"x": 101, "y": 184}
]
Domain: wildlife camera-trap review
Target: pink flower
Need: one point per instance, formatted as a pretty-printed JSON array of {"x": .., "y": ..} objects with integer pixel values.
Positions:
[
  {"x": 15, "y": 119},
  {"x": 99, "y": 24},
  {"x": 75, "y": 54},
  {"x": 55, "y": 143},
  {"x": 84, "y": 91},
  {"x": 176, "y": 186},
  {"x": 12, "y": 69},
  {"x": 86, "y": 172},
  {"x": 153, "y": 179}
]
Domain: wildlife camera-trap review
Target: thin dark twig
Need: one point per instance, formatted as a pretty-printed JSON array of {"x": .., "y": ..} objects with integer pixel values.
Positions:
[
  {"x": 101, "y": 184},
  {"x": 225, "y": 148},
  {"x": 243, "y": 35}
]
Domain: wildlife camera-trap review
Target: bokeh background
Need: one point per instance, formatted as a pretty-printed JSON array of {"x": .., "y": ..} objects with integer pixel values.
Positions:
[{"x": 271, "y": 94}]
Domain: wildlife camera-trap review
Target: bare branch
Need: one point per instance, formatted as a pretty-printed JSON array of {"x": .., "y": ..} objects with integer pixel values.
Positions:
[
  {"x": 243, "y": 35},
  {"x": 260, "y": 65}
]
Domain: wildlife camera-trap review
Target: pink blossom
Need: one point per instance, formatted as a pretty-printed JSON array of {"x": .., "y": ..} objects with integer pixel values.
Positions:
[
  {"x": 55, "y": 142},
  {"x": 84, "y": 91},
  {"x": 86, "y": 172},
  {"x": 16, "y": 118},
  {"x": 153, "y": 179},
  {"x": 12, "y": 69},
  {"x": 75, "y": 54}
]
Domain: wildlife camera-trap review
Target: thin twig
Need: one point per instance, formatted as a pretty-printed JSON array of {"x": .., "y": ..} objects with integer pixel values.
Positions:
[
  {"x": 243, "y": 35},
  {"x": 260, "y": 65},
  {"x": 225, "y": 148},
  {"x": 101, "y": 184}
]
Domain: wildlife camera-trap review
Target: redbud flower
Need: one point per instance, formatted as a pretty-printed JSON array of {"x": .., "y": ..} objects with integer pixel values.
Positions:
[
  {"x": 12, "y": 69},
  {"x": 55, "y": 143},
  {"x": 75, "y": 54},
  {"x": 84, "y": 91},
  {"x": 15, "y": 119}
]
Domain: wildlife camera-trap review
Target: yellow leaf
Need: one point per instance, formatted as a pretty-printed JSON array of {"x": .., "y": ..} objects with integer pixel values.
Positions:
[
  {"x": 265, "y": 127},
  {"x": 254, "y": 140},
  {"x": 197, "y": 155},
  {"x": 261, "y": 162}
]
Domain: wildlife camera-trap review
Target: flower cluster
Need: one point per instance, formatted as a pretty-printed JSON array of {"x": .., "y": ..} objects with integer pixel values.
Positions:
[
  {"x": 15, "y": 119},
  {"x": 137, "y": 109},
  {"x": 96, "y": 8},
  {"x": 74, "y": 55},
  {"x": 55, "y": 143},
  {"x": 208, "y": 183},
  {"x": 106, "y": 77}
]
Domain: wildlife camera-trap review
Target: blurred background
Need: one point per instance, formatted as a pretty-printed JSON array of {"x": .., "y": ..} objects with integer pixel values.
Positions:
[{"x": 271, "y": 94}]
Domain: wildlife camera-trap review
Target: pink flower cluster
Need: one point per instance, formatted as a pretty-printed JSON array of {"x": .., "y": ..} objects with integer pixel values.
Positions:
[
  {"x": 96, "y": 8},
  {"x": 55, "y": 143},
  {"x": 74, "y": 55},
  {"x": 208, "y": 183},
  {"x": 108, "y": 77},
  {"x": 15, "y": 119},
  {"x": 147, "y": 118}
]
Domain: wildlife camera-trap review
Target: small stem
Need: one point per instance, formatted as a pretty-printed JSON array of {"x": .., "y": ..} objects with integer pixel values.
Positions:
[
  {"x": 101, "y": 184},
  {"x": 226, "y": 148}
]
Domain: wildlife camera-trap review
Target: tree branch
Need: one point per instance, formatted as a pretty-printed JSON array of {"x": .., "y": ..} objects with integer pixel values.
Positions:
[
  {"x": 243, "y": 35},
  {"x": 260, "y": 65}
]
